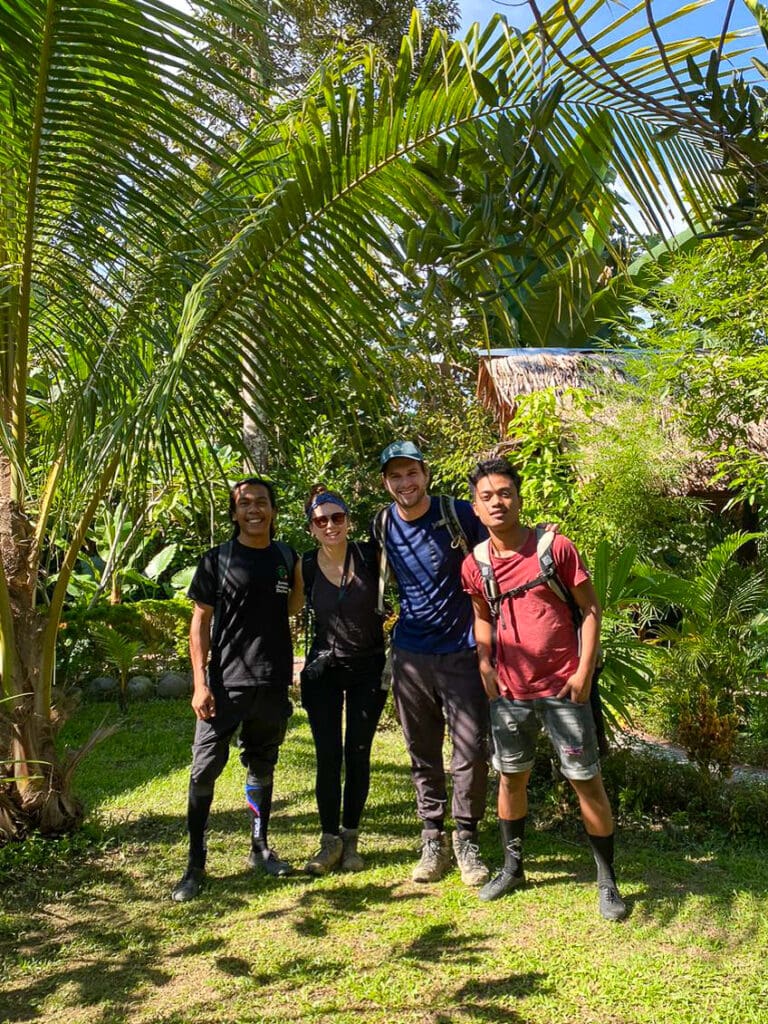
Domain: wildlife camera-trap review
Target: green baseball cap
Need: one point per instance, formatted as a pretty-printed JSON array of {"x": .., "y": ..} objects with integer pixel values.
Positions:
[{"x": 400, "y": 450}]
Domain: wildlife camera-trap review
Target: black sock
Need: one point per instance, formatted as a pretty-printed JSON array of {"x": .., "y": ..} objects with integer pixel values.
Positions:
[
  {"x": 199, "y": 803},
  {"x": 602, "y": 851},
  {"x": 435, "y": 824},
  {"x": 512, "y": 832},
  {"x": 258, "y": 794},
  {"x": 466, "y": 825}
]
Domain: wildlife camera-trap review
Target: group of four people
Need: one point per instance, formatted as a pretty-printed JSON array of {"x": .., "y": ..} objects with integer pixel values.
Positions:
[{"x": 478, "y": 628}]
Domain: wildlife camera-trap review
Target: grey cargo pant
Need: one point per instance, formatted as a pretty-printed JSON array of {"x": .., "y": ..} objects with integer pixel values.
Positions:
[{"x": 433, "y": 692}]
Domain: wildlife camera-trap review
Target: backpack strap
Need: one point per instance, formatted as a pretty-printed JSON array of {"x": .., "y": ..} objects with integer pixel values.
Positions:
[
  {"x": 491, "y": 592},
  {"x": 379, "y": 530},
  {"x": 544, "y": 540},
  {"x": 482, "y": 556},
  {"x": 308, "y": 571},
  {"x": 288, "y": 556},
  {"x": 449, "y": 518},
  {"x": 548, "y": 570},
  {"x": 223, "y": 559},
  {"x": 547, "y": 567}
]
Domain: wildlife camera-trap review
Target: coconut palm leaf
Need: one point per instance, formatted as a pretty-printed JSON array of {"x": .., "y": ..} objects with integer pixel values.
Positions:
[{"x": 296, "y": 233}]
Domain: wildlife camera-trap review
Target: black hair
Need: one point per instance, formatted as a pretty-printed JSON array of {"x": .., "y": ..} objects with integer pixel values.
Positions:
[
  {"x": 494, "y": 467},
  {"x": 266, "y": 484}
]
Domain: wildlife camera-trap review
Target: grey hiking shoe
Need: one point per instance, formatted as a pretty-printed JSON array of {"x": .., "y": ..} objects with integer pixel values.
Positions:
[
  {"x": 612, "y": 906},
  {"x": 327, "y": 857},
  {"x": 189, "y": 885},
  {"x": 500, "y": 884},
  {"x": 435, "y": 857},
  {"x": 467, "y": 853},
  {"x": 350, "y": 858},
  {"x": 267, "y": 862}
]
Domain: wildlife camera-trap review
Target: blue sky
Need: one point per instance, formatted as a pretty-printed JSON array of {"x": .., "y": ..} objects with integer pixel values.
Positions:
[{"x": 705, "y": 22}]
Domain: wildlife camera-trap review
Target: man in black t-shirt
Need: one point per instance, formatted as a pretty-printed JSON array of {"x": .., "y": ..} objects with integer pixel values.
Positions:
[{"x": 242, "y": 665}]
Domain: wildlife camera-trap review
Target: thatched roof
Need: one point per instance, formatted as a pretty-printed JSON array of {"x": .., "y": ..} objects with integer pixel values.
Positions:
[{"x": 505, "y": 374}]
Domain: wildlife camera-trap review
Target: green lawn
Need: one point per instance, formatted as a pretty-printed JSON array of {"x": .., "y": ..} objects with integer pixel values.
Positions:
[{"x": 88, "y": 932}]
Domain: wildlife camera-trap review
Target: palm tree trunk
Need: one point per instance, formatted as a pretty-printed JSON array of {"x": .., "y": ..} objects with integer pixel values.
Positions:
[{"x": 32, "y": 793}]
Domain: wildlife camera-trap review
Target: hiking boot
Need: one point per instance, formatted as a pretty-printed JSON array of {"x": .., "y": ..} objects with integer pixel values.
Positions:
[
  {"x": 327, "y": 857},
  {"x": 467, "y": 853},
  {"x": 435, "y": 857},
  {"x": 350, "y": 858},
  {"x": 267, "y": 862},
  {"x": 189, "y": 885},
  {"x": 500, "y": 884},
  {"x": 612, "y": 906}
]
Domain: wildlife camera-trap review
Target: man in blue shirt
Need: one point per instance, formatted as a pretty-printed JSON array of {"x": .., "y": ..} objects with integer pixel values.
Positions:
[{"x": 436, "y": 682}]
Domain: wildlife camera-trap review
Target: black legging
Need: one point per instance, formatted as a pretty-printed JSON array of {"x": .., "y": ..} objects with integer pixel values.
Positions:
[{"x": 324, "y": 701}]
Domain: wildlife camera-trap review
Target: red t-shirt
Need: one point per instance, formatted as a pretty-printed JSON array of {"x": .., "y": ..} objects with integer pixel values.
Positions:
[{"x": 536, "y": 640}]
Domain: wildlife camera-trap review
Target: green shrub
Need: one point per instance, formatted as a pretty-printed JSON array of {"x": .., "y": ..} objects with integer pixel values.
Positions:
[
  {"x": 162, "y": 627},
  {"x": 707, "y": 735},
  {"x": 645, "y": 786}
]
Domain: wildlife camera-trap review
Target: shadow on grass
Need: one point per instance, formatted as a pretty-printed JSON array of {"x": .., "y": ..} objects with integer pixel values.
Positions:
[
  {"x": 487, "y": 1000},
  {"x": 440, "y": 940},
  {"x": 96, "y": 954},
  {"x": 153, "y": 740}
]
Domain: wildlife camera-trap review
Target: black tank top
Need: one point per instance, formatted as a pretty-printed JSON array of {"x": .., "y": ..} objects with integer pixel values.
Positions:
[{"x": 348, "y": 624}]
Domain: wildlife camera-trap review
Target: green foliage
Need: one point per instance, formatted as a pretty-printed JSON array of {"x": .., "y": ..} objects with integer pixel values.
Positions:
[
  {"x": 541, "y": 447},
  {"x": 626, "y": 677},
  {"x": 648, "y": 786},
  {"x": 439, "y": 412},
  {"x": 120, "y": 654},
  {"x": 630, "y": 465},
  {"x": 301, "y": 35},
  {"x": 158, "y": 630},
  {"x": 710, "y": 365},
  {"x": 715, "y": 652},
  {"x": 752, "y": 742},
  {"x": 455, "y": 432},
  {"x": 707, "y": 735}
]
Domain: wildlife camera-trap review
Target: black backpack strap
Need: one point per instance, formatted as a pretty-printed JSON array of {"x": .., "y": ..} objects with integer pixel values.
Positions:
[
  {"x": 308, "y": 571},
  {"x": 450, "y": 519},
  {"x": 547, "y": 567},
  {"x": 289, "y": 557},
  {"x": 548, "y": 570},
  {"x": 308, "y": 575},
  {"x": 379, "y": 530},
  {"x": 223, "y": 559}
]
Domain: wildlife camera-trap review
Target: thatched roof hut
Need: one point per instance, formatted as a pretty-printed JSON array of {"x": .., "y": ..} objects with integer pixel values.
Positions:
[{"x": 505, "y": 374}]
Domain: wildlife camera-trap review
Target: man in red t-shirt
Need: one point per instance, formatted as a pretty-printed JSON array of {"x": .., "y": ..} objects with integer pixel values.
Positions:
[{"x": 537, "y": 669}]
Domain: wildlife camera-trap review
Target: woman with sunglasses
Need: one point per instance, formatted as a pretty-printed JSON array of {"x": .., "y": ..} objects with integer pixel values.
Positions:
[{"x": 342, "y": 675}]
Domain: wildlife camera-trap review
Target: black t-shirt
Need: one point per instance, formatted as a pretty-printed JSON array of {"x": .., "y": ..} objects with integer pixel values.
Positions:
[
  {"x": 251, "y": 641},
  {"x": 349, "y": 623}
]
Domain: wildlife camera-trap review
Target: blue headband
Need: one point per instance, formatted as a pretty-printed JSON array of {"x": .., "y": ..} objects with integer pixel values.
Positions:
[{"x": 326, "y": 498}]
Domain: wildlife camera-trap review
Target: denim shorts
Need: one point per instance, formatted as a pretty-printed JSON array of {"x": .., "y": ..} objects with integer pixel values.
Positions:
[{"x": 570, "y": 727}]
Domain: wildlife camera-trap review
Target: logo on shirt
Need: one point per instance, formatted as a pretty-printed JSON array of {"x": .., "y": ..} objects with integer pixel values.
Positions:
[{"x": 282, "y": 587}]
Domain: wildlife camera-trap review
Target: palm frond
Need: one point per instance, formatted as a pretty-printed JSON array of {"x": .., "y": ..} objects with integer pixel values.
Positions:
[{"x": 186, "y": 280}]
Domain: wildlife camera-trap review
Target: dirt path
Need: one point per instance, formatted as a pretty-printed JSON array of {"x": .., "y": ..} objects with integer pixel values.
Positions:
[{"x": 635, "y": 739}]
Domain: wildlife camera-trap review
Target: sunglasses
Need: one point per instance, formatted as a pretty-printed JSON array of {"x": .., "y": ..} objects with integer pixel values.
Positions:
[{"x": 337, "y": 518}]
